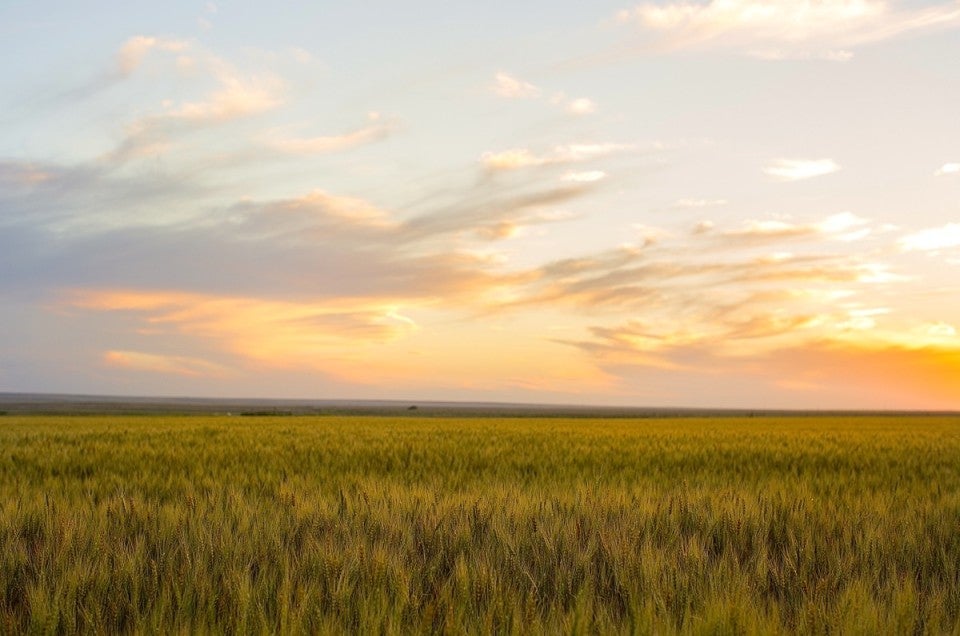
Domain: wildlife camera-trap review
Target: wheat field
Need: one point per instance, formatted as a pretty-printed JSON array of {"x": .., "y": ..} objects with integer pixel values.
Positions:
[{"x": 396, "y": 525}]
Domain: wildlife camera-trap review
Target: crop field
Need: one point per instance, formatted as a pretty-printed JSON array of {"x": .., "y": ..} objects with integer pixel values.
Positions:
[{"x": 479, "y": 525}]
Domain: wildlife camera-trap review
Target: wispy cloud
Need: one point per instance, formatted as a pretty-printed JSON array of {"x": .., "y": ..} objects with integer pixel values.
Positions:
[
  {"x": 516, "y": 158},
  {"x": 161, "y": 363},
  {"x": 784, "y": 29},
  {"x": 237, "y": 96},
  {"x": 24, "y": 174},
  {"x": 581, "y": 106},
  {"x": 843, "y": 226},
  {"x": 265, "y": 332},
  {"x": 234, "y": 94},
  {"x": 510, "y": 87},
  {"x": 375, "y": 131},
  {"x": 932, "y": 239},
  {"x": 811, "y": 369},
  {"x": 698, "y": 203},
  {"x": 134, "y": 50},
  {"x": 799, "y": 169},
  {"x": 948, "y": 169},
  {"x": 586, "y": 176}
]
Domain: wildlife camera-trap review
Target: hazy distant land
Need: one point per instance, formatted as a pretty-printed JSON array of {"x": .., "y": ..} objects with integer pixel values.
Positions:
[{"x": 66, "y": 404}]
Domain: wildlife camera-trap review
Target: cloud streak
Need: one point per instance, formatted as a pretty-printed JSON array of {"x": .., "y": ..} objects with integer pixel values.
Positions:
[
  {"x": 510, "y": 87},
  {"x": 375, "y": 131},
  {"x": 517, "y": 158},
  {"x": 932, "y": 239},
  {"x": 786, "y": 29},
  {"x": 800, "y": 169},
  {"x": 160, "y": 363}
]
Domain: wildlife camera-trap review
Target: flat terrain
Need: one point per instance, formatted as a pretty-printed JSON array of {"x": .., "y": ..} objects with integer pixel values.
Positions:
[{"x": 205, "y": 523}]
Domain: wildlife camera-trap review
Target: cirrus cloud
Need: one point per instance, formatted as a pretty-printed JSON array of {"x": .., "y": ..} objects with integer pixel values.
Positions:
[
  {"x": 516, "y": 158},
  {"x": 785, "y": 29},
  {"x": 932, "y": 239},
  {"x": 510, "y": 87},
  {"x": 799, "y": 169}
]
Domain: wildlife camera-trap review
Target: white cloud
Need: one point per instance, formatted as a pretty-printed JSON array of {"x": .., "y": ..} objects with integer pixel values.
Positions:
[
  {"x": 233, "y": 95},
  {"x": 939, "y": 330},
  {"x": 782, "y": 54},
  {"x": 238, "y": 96},
  {"x": 844, "y": 226},
  {"x": 782, "y": 29},
  {"x": 932, "y": 239},
  {"x": 131, "y": 54},
  {"x": 320, "y": 145},
  {"x": 698, "y": 203},
  {"x": 515, "y": 158},
  {"x": 589, "y": 176},
  {"x": 948, "y": 168},
  {"x": 511, "y": 159},
  {"x": 797, "y": 169},
  {"x": 506, "y": 85},
  {"x": 581, "y": 106}
]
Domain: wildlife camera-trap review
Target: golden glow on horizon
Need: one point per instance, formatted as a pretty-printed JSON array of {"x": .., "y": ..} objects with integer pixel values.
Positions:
[
  {"x": 368, "y": 342},
  {"x": 361, "y": 342}
]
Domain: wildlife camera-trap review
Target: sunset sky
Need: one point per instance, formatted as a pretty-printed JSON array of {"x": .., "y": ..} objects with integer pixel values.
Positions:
[{"x": 731, "y": 203}]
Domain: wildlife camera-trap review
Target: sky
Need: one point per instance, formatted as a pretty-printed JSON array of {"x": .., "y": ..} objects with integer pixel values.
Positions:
[{"x": 723, "y": 203}]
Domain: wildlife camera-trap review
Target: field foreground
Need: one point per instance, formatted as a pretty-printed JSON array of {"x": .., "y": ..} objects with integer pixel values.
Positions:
[{"x": 398, "y": 525}]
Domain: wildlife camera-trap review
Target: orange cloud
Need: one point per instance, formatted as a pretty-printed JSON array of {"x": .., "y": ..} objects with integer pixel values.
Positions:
[
  {"x": 792, "y": 364},
  {"x": 363, "y": 342},
  {"x": 179, "y": 365},
  {"x": 273, "y": 332}
]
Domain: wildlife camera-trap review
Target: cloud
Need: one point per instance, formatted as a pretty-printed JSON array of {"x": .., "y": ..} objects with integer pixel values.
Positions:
[
  {"x": 72, "y": 227},
  {"x": 698, "y": 203},
  {"x": 516, "y": 158},
  {"x": 581, "y": 106},
  {"x": 843, "y": 226},
  {"x": 231, "y": 95},
  {"x": 938, "y": 330},
  {"x": 237, "y": 96},
  {"x": 587, "y": 176},
  {"x": 127, "y": 61},
  {"x": 932, "y": 239},
  {"x": 693, "y": 277},
  {"x": 134, "y": 50},
  {"x": 510, "y": 87},
  {"x": 160, "y": 363},
  {"x": 948, "y": 169},
  {"x": 804, "y": 372},
  {"x": 24, "y": 174},
  {"x": 54, "y": 197},
  {"x": 798, "y": 169},
  {"x": 204, "y": 21},
  {"x": 492, "y": 216},
  {"x": 259, "y": 332},
  {"x": 321, "y": 145},
  {"x": 785, "y": 29}
]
